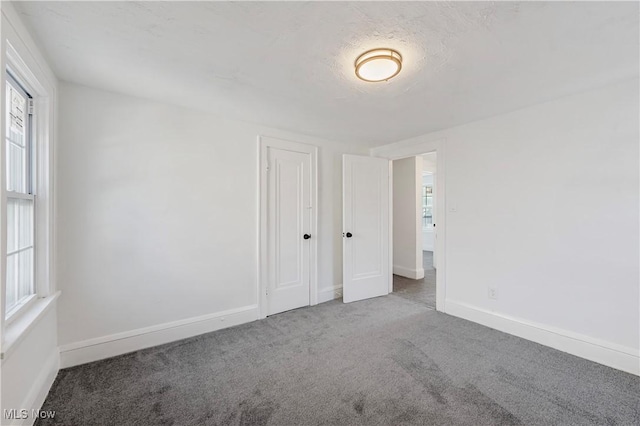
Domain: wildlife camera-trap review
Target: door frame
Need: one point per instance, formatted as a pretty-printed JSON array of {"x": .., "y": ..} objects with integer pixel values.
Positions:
[
  {"x": 411, "y": 148},
  {"x": 265, "y": 142}
]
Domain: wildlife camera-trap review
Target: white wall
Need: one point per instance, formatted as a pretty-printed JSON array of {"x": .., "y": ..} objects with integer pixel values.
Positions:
[
  {"x": 407, "y": 218},
  {"x": 542, "y": 205},
  {"x": 29, "y": 369},
  {"x": 30, "y": 357},
  {"x": 158, "y": 219}
]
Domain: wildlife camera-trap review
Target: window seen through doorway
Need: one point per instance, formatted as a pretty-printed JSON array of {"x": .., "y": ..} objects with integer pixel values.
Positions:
[{"x": 427, "y": 206}]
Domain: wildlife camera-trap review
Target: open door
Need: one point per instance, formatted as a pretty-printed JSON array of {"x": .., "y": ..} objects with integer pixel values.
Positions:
[{"x": 366, "y": 213}]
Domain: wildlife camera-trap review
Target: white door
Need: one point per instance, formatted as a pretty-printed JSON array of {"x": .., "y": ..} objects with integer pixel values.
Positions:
[
  {"x": 288, "y": 236},
  {"x": 366, "y": 261}
]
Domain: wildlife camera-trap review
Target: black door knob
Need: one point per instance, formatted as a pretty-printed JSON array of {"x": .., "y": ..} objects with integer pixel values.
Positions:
[
  {"x": 306, "y": 236},
  {"x": 349, "y": 234}
]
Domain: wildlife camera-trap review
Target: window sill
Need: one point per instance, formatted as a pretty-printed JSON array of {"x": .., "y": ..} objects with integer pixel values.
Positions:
[
  {"x": 18, "y": 329},
  {"x": 24, "y": 306}
]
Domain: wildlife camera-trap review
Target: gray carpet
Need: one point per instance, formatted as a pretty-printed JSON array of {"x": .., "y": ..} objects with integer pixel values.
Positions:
[
  {"x": 422, "y": 291},
  {"x": 385, "y": 361}
]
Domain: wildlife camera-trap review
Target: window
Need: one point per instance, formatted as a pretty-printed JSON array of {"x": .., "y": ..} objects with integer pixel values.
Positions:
[
  {"x": 20, "y": 285},
  {"x": 427, "y": 206}
]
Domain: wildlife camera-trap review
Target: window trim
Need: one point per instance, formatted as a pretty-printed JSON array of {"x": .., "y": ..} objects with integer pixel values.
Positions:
[
  {"x": 428, "y": 228},
  {"x": 17, "y": 84},
  {"x": 26, "y": 68},
  {"x": 24, "y": 305},
  {"x": 43, "y": 97},
  {"x": 14, "y": 313}
]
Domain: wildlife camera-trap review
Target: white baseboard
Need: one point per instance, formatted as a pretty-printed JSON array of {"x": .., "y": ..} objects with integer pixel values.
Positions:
[
  {"x": 603, "y": 352},
  {"x": 37, "y": 394},
  {"x": 329, "y": 293},
  {"x": 414, "y": 274},
  {"x": 130, "y": 341}
]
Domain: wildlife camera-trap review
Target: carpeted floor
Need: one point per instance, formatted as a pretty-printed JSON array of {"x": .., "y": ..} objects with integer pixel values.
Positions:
[
  {"x": 384, "y": 361},
  {"x": 424, "y": 290}
]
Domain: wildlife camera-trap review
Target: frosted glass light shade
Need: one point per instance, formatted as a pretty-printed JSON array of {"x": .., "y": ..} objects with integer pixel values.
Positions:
[{"x": 378, "y": 65}]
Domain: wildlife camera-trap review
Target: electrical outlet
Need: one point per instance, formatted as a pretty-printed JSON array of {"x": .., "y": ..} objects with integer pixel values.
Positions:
[{"x": 493, "y": 293}]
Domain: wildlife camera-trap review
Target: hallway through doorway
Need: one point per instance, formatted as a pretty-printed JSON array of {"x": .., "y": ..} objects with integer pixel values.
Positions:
[{"x": 422, "y": 291}]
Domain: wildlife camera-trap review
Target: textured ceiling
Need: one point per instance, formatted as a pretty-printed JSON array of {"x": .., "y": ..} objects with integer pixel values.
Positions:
[{"x": 290, "y": 64}]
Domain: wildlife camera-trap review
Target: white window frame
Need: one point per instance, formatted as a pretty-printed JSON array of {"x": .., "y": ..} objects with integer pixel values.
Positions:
[
  {"x": 428, "y": 228},
  {"x": 28, "y": 67},
  {"x": 29, "y": 194}
]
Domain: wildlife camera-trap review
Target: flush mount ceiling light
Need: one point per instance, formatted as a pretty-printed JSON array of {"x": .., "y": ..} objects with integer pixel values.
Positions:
[{"x": 378, "y": 65}]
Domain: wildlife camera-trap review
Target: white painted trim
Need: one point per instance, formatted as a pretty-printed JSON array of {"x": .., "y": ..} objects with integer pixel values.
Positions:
[
  {"x": 20, "y": 328},
  {"x": 390, "y": 226},
  {"x": 408, "y": 148},
  {"x": 603, "y": 352},
  {"x": 414, "y": 274},
  {"x": 39, "y": 390},
  {"x": 129, "y": 341},
  {"x": 411, "y": 148},
  {"x": 330, "y": 293},
  {"x": 18, "y": 33},
  {"x": 265, "y": 142},
  {"x": 22, "y": 307},
  {"x": 19, "y": 52}
]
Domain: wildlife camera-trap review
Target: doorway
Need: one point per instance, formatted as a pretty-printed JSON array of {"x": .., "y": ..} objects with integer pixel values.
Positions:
[
  {"x": 414, "y": 228},
  {"x": 288, "y": 225}
]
